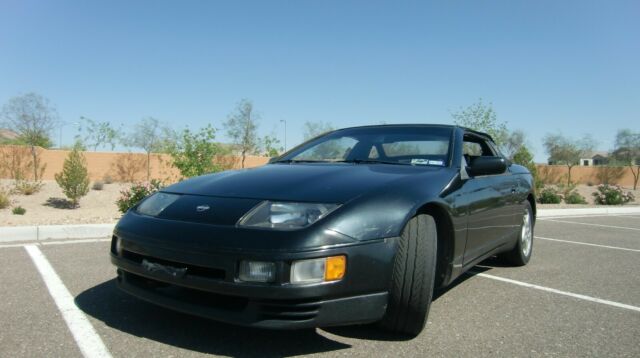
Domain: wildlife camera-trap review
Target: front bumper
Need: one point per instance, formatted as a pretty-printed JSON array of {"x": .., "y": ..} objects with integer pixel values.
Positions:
[{"x": 211, "y": 289}]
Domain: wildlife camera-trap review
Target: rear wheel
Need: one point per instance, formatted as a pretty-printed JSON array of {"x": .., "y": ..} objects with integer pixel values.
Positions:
[
  {"x": 413, "y": 277},
  {"x": 521, "y": 253}
]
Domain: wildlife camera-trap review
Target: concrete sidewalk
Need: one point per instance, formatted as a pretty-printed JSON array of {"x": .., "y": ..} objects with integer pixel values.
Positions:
[{"x": 58, "y": 232}]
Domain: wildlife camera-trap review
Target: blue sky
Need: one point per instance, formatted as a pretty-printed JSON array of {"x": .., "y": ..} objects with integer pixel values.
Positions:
[{"x": 547, "y": 66}]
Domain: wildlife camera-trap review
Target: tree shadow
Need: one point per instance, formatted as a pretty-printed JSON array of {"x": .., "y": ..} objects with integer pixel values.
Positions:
[
  {"x": 126, "y": 313},
  {"x": 59, "y": 203}
]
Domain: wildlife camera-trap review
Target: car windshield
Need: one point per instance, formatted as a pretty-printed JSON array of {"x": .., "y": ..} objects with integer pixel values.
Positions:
[{"x": 401, "y": 145}]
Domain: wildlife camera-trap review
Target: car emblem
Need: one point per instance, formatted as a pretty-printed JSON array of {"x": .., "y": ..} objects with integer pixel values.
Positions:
[{"x": 202, "y": 208}]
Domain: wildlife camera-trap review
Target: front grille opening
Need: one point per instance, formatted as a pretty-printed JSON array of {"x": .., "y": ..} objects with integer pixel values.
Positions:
[
  {"x": 290, "y": 310},
  {"x": 192, "y": 270},
  {"x": 189, "y": 295}
]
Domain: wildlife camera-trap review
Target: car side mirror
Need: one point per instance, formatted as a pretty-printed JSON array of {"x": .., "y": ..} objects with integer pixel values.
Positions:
[{"x": 487, "y": 166}]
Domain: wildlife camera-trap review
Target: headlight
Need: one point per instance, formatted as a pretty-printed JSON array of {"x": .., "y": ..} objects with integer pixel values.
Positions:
[
  {"x": 156, "y": 203},
  {"x": 286, "y": 216}
]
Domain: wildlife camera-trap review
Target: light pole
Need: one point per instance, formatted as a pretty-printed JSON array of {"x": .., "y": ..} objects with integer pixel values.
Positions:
[
  {"x": 285, "y": 133},
  {"x": 62, "y": 125}
]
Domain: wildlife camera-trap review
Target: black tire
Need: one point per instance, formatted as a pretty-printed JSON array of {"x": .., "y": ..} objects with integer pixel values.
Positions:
[
  {"x": 518, "y": 256},
  {"x": 413, "y": 277}
]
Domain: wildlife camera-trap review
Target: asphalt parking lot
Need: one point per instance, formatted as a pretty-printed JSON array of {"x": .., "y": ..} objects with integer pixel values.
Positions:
[{"x": 579, "y": 296}]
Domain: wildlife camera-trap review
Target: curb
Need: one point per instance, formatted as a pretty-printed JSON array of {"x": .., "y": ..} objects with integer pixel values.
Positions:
[
  {"x": 54, "y": 232},
  {"x": 93, "y": 231}
]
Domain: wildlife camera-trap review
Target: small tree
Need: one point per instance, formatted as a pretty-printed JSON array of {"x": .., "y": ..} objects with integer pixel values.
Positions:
[
  {"x": 314, "y": 129},
  {"x": 33, "y": 118},
  {"x": 524, "y": 157},
  {"x": 271, "y": 146},
  {"x": 241, "y": 127},
  {"x": 481, "y": 117},
  {"x": 99, "y": 133},
  {"x": 627, "y": 152},
  {"x": 194, "y": 153},
  {"x": 151, "y": 136},
  {"x": 514, "y": 143},
  {"x": 74, "y": 179},
  {"x": 566, "y": 151}
]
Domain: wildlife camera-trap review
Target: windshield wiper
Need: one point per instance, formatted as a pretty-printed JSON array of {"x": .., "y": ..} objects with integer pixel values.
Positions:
[
  {"x": 300, "y": 161},
  {"x": 369, "y": 161}
]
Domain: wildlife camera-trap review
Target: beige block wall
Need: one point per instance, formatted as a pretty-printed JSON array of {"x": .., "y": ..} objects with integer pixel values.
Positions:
[
  {"x": 552, "y": 174},
  {"x": 126, "y": 167}
]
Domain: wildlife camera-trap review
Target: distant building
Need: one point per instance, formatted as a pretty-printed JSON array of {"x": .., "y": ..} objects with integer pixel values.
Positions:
[{"x": 594, "y": 159}]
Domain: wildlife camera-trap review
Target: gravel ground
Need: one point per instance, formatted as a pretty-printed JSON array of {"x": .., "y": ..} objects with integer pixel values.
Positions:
[
  {"x": 96, "y": 207},
  {"x": 99, "y": 207}
]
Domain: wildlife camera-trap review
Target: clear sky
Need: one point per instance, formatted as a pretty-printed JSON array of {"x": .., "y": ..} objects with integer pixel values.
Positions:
[{"x": 547, "y": 66}]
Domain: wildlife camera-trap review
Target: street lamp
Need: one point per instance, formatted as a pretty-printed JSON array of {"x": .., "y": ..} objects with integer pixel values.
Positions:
[
  {"x": 62, "y": 125},
  {"x": 285, "y": 133}
]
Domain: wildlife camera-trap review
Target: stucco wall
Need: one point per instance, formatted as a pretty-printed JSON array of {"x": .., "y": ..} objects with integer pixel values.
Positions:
[
  {"x": 595, "y": 175},
  {"x": 120, "y": 166}
]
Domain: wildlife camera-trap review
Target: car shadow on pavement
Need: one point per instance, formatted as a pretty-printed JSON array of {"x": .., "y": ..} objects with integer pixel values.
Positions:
[
  {"x": 105, "y": 302},
  {"x": 371, "y": 332}
]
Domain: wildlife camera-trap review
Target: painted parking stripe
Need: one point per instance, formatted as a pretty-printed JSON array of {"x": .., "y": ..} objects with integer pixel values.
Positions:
[
  {"x": 545, "y": 218},
  {"x": 587, "y": 244},
  {"x": 591, "y": 224},
  {"x": 559, "y": 292},
  {"x": 83, "y": 332},
  {"x": 65, "y": 242}
]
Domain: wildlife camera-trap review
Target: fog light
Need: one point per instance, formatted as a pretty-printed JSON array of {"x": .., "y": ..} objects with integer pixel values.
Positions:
[
  {"x": 257, "y": 271},
  {"x": 318, "y": 270},
  {"x": 118, "y": 246}
]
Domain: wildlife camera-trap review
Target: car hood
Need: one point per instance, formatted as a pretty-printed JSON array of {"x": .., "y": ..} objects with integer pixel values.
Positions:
[{"x": 330, "y": 183}]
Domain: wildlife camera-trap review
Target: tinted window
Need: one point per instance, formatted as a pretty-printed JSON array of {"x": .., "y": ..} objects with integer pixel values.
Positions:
[{"x": 419, "y": 145}]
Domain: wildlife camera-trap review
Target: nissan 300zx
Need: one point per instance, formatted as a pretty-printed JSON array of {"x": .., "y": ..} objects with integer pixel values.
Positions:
[{"x": 358, "y": 225}]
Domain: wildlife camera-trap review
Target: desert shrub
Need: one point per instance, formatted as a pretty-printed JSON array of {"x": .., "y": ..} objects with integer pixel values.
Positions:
[
  {"x": 136, "y": 192},
  {"x": 97, "y": 185},
  {"x": 193, "y": 154},
  {"x": 573, "y": 197},
  {"x": 74, "y": 178},
  {"x": 4, "y": 198},
  {"x": 27, "y": 187},
  {"x": 549, "y": 195},
  {"x": 612, "y": 195},
  {"x": 107, "y": 179},
  {"x": 19, "y": 210}
]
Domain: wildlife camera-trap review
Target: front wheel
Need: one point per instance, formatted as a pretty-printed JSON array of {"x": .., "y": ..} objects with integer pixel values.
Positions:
[
  {"x": 521, "y": 253},
  {"x": 413, "y": 277}
]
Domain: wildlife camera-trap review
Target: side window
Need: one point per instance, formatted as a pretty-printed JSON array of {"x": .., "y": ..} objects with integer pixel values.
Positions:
[{"x": 474, "y": 146}]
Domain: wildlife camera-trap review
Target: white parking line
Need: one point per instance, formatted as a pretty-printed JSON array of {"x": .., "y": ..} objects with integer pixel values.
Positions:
[
  {"x": 545, "y": 218},
  {"x": 587, "y": 244},
  {"x": 590, "y": 224},
  {"x": 85, "y": 336},
  {"x": 64, "y": 242},
  {"x": 559, "y": 292}
]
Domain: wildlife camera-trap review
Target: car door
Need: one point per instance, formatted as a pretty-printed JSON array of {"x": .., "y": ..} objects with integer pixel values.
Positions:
[{"x": 490, "y": 202}]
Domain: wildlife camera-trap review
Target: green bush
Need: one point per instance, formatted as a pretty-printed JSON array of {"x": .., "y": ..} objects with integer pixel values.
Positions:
[
  {"x": 19, "y": 210},
  {"x": 74, "y": 178},
  {"x": 573, "y": 197},
  {"x": 549, "y": 195},
  {"x": 26, "y": 187},
  {"x": 131, "y": 196},
  {"x": 97, "y": 185},
  {"x": 612, "y": 195},
  {"x": 4, "y": 199}
]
